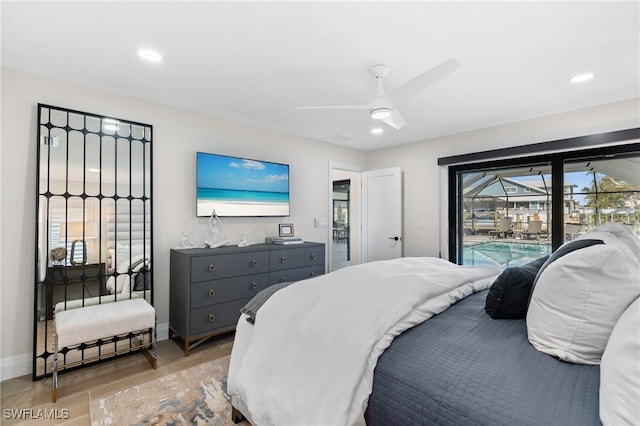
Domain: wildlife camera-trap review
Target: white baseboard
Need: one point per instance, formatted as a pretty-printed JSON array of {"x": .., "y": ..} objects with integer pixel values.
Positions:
[
  {"x": 15, "y": 366},
  {"x": 162, "y": 331},
  {"x": 20, "y": 365}
]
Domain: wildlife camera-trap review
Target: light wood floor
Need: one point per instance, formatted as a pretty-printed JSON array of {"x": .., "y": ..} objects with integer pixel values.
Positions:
[{"x": 77, "y": 388}]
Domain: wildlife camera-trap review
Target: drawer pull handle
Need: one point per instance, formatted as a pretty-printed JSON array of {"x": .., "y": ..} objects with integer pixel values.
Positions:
[
  {"x": 253, "y": 263},
  {"x": 212, "y": 292},
  {"x": 253, "y": 286},
  {"x": 212, "y": 268},
  {"x": 283, "y": 279},
  {"x": 283, "y": 259},
  {"x": 313, "y": 256},
  {"x": 212, "y": 318}
]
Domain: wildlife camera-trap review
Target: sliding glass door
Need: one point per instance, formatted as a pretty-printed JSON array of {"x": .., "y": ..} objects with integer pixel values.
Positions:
[
  {"x": 509, "y": 212},
  {"x": 506, "y": 214},
  {"x": 607, "y": 190}
]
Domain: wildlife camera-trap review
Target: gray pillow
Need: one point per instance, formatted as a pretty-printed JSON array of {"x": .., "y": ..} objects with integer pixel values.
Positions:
[{"x": 509, "y": 294}]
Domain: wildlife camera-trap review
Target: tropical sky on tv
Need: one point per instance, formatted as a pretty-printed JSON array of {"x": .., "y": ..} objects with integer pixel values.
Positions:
[{"x": 221, "y": 172}]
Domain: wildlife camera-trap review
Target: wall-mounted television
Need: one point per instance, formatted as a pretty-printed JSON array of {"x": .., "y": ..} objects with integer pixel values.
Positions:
[{"x": 241, "y": 187}]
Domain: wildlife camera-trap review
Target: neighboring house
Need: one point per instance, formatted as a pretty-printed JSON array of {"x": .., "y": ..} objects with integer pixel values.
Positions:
[
  {"x": 508, "y": 193},
  {"x": 500, "y": 194}
]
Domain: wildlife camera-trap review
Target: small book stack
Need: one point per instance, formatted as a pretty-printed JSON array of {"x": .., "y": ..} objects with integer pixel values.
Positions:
[{"x": 286, "y": 240}]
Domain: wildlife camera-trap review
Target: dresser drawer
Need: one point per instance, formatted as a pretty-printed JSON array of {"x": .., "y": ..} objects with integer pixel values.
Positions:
[
  {"x": 210, "y": 318},
  {"x": 296, "y": 274},
  {"x": 220, "y": 291},
  {"x": 205, "y": 268},
  {"x": 296, "y": 258}
]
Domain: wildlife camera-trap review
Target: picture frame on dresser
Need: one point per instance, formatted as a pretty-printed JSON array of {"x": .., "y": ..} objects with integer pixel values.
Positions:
[{"x": 285, "y": 230}]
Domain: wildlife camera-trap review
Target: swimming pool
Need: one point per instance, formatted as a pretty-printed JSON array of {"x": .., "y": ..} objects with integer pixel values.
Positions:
[{"x": 503, "y": 254}]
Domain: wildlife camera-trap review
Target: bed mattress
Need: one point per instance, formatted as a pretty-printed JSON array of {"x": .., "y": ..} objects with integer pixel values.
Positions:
[{"x": 462, "y": 367}]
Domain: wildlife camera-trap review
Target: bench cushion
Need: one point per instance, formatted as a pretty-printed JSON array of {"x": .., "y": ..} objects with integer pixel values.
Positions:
[{"x": 90, "y": 323}]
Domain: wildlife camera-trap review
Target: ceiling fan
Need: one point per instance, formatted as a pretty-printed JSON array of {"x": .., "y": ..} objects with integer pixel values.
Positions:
[{"x": 383, "y": 106}]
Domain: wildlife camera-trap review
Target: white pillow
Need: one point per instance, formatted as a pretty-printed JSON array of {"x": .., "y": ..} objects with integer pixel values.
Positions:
[
  {"x": 126, "y": 256},
  {"x": 620, "y": 371},
  {"x": 112, "y": 259},
  {"x": 140, "y": 249},
  {"x": 578, "y": 298},
  {"x": 119, "y": 284},
  {"x": 122, "y": 258},
  {"x": 622, "y": 233},
  {"x": 135, "y": 264}
]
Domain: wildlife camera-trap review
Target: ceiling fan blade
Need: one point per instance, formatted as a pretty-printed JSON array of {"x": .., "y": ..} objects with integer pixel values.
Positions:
[
  {"x": 420, "y": 83},
  {"x": 334, "y": 107},
  {"x": 395, "y": 120}
]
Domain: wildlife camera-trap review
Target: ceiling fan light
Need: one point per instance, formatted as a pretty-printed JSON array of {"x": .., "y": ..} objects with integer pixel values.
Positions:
[
  {"x": 380, "y": 113},
  {"x": 581, "y": 78},
  {"x": 150, "y": 55}
]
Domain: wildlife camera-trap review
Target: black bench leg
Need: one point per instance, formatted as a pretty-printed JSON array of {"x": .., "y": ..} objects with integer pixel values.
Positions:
[{"x": 236, "y": 415}]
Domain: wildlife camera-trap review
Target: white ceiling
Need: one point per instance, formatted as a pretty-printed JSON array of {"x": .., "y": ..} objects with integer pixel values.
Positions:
[{"x": 254, "y": 62}]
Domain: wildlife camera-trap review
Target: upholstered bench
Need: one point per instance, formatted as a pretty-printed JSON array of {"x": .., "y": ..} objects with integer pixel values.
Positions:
[{"x": 91, "y": 323}]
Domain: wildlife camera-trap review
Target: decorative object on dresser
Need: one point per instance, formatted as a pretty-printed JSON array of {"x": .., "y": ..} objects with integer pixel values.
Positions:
[
  {"x": 57, "y": 255},
  {"x": 209, "y": 286},
  {"x": 285, "y": 230},
  {"x": 184, "y": 241},
  {"x": 286, "y": 240},
  {"x": 217, "y": 236},
  {"x": 244, "y": 238}
]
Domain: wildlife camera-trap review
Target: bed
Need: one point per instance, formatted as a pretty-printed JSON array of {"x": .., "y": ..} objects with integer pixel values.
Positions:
[
  {"x": 128, "y": 269},
  {"x": 442, "y": 359},
  {"x": 129, "y": 251},
  {"x": 464, "y": 368}
]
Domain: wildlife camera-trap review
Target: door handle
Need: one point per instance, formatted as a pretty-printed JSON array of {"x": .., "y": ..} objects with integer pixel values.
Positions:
[{"x": 395, "y": 238}]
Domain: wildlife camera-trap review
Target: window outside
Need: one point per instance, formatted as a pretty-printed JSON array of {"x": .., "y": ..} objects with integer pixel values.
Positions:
[
  {"x": 507, "y": 212},
  {"x": 507, "y": 215},
  {"x": 605, "y": 190}
]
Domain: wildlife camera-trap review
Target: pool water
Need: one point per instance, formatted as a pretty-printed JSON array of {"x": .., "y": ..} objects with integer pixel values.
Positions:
[{"x": 503, "y": 254}]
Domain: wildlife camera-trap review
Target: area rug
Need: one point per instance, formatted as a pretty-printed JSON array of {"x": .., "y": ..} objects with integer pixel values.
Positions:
[{"x": 195, "y": 396}]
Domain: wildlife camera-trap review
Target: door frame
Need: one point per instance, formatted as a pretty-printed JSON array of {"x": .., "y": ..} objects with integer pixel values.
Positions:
[{"x": 349, "y": 167}]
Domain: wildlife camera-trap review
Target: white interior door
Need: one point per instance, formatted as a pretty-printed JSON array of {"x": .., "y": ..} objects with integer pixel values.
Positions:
[{"x": 381, "y": 214}]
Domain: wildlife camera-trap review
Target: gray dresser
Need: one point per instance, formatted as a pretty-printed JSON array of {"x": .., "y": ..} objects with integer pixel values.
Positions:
[{"x": 209, "y": 286}]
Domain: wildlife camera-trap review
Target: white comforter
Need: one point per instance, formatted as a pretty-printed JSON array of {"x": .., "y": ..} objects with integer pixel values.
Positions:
[{"x": 315, "y": 344}]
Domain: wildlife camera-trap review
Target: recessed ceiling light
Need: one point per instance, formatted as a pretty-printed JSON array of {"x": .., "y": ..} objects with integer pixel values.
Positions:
[
  {"x": 580, "y": 78},
  {"x": 149, "y": 55},
  {"x": 380, "y": 113},
  {"x": 377, "y": 130}
]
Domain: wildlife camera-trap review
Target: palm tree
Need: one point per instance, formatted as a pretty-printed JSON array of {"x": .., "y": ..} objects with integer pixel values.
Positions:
[{"x": 608, "y": 192}]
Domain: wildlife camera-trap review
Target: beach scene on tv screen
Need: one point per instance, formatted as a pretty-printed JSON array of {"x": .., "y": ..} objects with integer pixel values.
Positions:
[{"x": 241, "y": 187}]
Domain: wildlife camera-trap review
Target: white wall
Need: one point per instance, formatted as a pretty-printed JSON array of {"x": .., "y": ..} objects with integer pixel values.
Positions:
[
  {"x": 178, "y": 134},
  {"x": 425, "y": 182}
]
